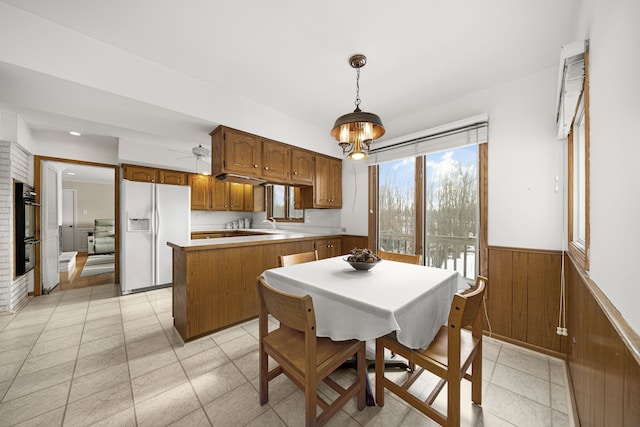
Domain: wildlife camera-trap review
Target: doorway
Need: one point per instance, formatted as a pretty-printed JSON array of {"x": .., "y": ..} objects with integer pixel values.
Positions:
[{"x": 84, "y": 193}]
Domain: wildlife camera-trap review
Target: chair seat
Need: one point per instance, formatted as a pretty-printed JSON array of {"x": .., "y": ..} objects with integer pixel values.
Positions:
[
  {"x": 437, "y": 350},
  {"x": 288, "y": 344}
]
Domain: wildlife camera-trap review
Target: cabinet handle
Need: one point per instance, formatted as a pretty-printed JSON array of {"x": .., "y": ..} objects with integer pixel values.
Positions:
[
  {"x": 255, "y": 166},
  {"x": 266, "y": 168},
  {"x": 295, "y": 173}
]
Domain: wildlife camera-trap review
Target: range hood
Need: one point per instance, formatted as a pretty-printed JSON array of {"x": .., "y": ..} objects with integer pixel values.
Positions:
[{"x": 230, "y": 177}]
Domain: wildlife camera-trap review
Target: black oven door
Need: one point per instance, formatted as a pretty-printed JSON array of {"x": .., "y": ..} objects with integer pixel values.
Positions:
[{"x": 26, "y": 257}]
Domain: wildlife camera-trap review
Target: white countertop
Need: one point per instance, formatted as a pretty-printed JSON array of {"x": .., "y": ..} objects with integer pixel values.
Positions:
[{"x": 271, "y": 236}]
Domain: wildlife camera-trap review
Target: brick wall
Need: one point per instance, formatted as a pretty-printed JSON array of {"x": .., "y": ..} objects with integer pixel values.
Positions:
[{"x": 15, "y": 164}]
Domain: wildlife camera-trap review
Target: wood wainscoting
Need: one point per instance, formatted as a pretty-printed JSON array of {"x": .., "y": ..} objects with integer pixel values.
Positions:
[
  {"x": 604, "y": 356},
  {"x": 602, "y": 350},
  {"x": 523, "y": 298}
]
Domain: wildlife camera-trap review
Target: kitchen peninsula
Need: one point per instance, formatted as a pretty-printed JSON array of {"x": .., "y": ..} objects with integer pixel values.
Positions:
[{"x": 214, "y": 280}]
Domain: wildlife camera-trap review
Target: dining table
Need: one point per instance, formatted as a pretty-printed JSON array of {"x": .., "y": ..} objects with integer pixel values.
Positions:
[{"x": 412, "y": 300}]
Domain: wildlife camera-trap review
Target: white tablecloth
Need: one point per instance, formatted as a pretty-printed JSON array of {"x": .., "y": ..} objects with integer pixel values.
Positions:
[{"x": 410, "y": 299}]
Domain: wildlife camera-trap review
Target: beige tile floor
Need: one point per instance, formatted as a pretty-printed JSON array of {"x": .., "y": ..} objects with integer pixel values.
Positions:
[{"x": 88, "y": 357}]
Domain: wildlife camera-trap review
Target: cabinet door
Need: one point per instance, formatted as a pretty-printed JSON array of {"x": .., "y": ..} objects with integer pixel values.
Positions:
[
  {"x": 335, "y": 173},
  {"x": 219, "y": 195},
  {"x": 172, "y": 177},
  {"x": 327, "y": 182},
  {"x": 200, "y": 191},
  {"x": 236, "y": 196},
  {"x": 140, "y": 173},
  {"x": 275, "y": 161},
  {"x": 242, "y": 153},
  {"x": 328, "y": 248},
  {"x": 301, "y": 166},
  {"x": 248, "y": 197}
]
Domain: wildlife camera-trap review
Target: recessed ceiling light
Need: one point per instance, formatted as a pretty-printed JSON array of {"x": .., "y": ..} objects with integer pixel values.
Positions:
[
  {"x": 70, "y": 173},
  {"x": 74, "y": 133}
]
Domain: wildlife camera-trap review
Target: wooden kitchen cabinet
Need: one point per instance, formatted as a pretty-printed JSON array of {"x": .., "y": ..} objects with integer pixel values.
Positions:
[
  {"x": 326, "y": 191},
  {"x": 200, "y": 191},
  {"x": 139, "y": 173},
  {"x": 328, "y": 248},
  {"x": 301, "y": 166},
  {"x": 172, "y": 177},
  {"x": 235, "y": 152},
  {"x": 276, "y": 164},
  {"x": 219, "y": 195},
  {"x": 215, "y": 288},
  {"x": 208, "y": 193},
  {"x": 154, "y": 175}
]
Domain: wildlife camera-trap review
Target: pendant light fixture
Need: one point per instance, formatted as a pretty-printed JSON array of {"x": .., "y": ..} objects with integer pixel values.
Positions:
[{"x": 355, "y": 132}]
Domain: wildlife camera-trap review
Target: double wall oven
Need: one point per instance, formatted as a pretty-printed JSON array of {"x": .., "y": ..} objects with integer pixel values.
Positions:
[{"x": 25, "y": 227}]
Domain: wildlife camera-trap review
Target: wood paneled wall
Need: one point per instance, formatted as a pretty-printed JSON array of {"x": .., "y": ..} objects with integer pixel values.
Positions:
[
  {"x": 604, "y": 356},
  {"x": 602, "y": 350},
  {"x": 523, "y": 297}
]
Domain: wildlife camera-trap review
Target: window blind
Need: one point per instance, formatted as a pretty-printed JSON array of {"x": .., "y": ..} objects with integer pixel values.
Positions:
[{"x": 458, "y": 134}]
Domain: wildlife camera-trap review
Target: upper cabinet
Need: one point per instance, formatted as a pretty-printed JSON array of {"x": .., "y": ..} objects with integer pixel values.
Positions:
[
  {"x": 155, "y": 175},
  {"x": 200, "y": 191},
  {"x": 276, "y": 165},
  {"x": 239, "y": 153},
  {"x": 327, "y": 185},
  {"x": 172, "y": 177},
  {"x": 208, "y": 193},
  {"x": 235, "y": 152},
  {"x": 301, "y": 166}
]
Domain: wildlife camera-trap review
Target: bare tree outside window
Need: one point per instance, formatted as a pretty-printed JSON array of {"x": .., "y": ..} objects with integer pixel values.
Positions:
[{"x": 450, "y": 209}]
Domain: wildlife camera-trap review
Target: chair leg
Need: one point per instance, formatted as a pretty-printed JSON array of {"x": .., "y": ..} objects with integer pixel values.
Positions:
[
  {"x": 476, "y": 380},
  {"x": 362, "y": 373},
  {"x": 379, "y": 372},
  {"x": 264, "y": 376},
  {"x": 310, "y": 401},
  {"x": 453, "y": 402}
]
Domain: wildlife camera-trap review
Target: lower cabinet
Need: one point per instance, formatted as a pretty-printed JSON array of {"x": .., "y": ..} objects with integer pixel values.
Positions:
[
  {"x": 216, "y": 288},
  {"x": 328, "y": 248}
]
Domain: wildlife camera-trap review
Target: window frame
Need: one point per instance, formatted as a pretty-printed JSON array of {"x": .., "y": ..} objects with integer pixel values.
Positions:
[
  {"x": 578, "y": 249},
  {"x": 289, "y": 191}
]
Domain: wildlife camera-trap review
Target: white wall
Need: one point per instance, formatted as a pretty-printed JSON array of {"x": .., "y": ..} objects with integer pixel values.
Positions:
[
  {"x": 614, "y": 60},
  {"x": 85, "y": 148},
  {"x": 525, "y": 211}
]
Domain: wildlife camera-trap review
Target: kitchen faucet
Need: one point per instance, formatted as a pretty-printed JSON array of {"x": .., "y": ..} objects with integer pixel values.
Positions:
[{"x": 271, "y": 221}]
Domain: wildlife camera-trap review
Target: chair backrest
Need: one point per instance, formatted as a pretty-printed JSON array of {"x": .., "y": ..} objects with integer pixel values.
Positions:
[
  {"x": 465, "y": 306},
  {"x": 293, "y": 311},
  {"x": 286, "y": 260},
  {"x": 406, "y": 258}
]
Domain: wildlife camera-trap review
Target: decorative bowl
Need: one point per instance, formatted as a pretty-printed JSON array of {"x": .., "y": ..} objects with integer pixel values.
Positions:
[{"x": 362, "y": 266}]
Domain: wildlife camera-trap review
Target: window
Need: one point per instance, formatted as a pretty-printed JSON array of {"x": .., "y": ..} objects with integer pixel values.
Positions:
[
  {"x": 281, "y": 204},
  {"x": 432, "y": 203},
  {"x": 578, "y": 185}
]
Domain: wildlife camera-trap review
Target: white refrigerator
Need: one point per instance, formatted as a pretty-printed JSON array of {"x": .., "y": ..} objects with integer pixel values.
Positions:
[{"x": 151, "y": 215}]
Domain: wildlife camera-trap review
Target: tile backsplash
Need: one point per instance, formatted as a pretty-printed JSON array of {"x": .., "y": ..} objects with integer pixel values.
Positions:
[{"x": 321, "y": 221}]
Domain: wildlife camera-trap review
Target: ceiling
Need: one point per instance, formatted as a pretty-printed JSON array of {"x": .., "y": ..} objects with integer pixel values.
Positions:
[{"x": 289, "y": 56}]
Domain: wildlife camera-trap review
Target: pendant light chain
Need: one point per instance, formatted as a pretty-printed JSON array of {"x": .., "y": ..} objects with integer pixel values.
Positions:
[{"x": 358, "y": 89}]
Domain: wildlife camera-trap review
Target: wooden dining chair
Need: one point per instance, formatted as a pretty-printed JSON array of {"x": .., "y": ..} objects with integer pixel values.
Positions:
[
  {"x": 286, "y": 260},
  {"x": 449, "y": 356},
  {"x": 302, "y": 356},
  {"x": 406, "y": 258}
]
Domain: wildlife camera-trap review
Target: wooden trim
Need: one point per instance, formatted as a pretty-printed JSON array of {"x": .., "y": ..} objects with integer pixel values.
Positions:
[
  {"x": 483, "y": 199},
  {"x": 581, "y": 255},
  {"x": 373, "y": 207},
  {"x": 37, "y": 163},
  {"x": 537, "y": 348},
  {"x": 529, "y": 250},
  {"x": 419, "y": 200}
]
